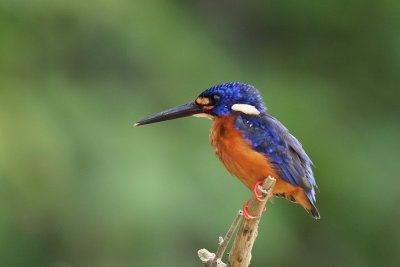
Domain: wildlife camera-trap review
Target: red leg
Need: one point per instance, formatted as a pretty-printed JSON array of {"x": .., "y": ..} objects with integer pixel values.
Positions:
[
  {"x": 256, "y": 195},
  {"x": 246, "y": 214}
]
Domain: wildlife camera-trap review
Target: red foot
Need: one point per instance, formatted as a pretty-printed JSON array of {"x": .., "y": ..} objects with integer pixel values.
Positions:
[
  {"x": 256, "y": 195},
  {"x": 246, "y": 214}
]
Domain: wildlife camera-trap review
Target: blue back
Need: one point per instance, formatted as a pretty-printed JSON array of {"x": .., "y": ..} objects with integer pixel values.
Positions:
[{"x": 268, "y": 136}]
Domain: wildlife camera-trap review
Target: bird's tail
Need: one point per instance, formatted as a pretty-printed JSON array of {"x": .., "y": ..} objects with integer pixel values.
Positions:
[
  {"x": 313, "y": 211},
  {"x": 299, "y": 196},
  {"x": 308, "y": 204}
]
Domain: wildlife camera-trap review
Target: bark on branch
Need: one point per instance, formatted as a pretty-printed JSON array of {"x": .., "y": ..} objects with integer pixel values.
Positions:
[{"x": 240, "y": 254}]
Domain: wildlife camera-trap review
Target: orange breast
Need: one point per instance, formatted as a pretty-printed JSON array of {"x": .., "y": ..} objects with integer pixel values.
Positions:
[
  {"x": 241, "y": 160},
  {"x": 237, "y": 154}
]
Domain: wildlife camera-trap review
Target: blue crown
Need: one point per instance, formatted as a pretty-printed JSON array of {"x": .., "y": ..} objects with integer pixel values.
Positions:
[{"x": 234, "y": 93}]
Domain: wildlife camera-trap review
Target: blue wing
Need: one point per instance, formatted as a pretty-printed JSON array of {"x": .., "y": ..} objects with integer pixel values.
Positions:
[{"x": 268, "y": 136}]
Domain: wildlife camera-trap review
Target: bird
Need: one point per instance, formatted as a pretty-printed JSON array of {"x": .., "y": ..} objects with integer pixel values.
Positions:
[{"x": 251, "y": 143}]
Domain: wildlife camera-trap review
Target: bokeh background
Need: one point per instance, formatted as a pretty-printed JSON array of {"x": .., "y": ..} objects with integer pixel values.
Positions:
[{"x": 79, "y": 186}]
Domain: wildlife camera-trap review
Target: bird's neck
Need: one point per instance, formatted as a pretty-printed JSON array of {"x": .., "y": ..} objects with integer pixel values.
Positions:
[{"x": 221, "y": 127}]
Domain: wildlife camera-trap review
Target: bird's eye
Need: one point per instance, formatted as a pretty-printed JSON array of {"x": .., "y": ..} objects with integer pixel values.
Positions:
[
  {"x": 215, "y": 99},
  {"x": 208, "y": 101}
]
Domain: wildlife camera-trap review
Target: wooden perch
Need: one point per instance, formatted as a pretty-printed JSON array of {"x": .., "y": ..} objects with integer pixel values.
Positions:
[
  {"x": 240, "y": 254},
  {"x": 210, "y": 259}
]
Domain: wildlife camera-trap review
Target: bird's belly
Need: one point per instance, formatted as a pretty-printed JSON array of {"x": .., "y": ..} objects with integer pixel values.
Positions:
[{"x": 237, "y": 155}]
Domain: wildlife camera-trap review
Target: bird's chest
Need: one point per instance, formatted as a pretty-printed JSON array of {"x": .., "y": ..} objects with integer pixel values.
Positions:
[{"x": 237, "y": 154}]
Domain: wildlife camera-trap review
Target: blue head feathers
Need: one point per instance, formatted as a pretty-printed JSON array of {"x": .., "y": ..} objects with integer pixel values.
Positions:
[{"x": 228, "y": 94}]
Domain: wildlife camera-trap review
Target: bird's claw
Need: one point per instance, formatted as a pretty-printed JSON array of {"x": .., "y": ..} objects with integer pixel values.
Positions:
[
  {"x": 259, "y": 197},
  {"x": 246, "y": 214},
  {"x": 256, "y": 187}
]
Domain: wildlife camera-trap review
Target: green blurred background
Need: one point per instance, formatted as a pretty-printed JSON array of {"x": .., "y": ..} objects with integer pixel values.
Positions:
[{"x": 79, "y": 186}]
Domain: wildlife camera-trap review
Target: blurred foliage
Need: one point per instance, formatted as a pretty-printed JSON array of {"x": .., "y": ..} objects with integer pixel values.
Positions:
[{"x": 80, "y": 187}]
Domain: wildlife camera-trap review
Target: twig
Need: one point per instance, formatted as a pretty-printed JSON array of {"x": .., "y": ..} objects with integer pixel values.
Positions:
[
  {"x": 207, "y": 257},
  {"x": 240, "y": 254},
  {"x": 210, "y": 259},
  {"x": 227, "y": 238}
]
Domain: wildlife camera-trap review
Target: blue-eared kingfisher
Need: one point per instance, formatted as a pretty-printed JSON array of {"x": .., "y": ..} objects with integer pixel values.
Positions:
[{"x": 251, "y": 143}]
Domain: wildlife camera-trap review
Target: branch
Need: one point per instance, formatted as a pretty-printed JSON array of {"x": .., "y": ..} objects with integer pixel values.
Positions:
[
  {"x": 240, "y": 254},
  {"x": 210, "y": 259}
]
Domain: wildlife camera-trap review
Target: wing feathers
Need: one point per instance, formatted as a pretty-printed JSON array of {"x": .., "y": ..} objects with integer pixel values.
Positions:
[{"x": 267, "y": 135}]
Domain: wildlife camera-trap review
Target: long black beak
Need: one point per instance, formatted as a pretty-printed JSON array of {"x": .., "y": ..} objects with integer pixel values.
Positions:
[{"x": 172, "y": 113}]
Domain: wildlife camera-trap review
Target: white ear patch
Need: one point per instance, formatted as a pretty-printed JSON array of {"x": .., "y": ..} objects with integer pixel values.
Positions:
[
  {"x": 203, "y": 115},
  {"x": 246, "y": 109}
]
